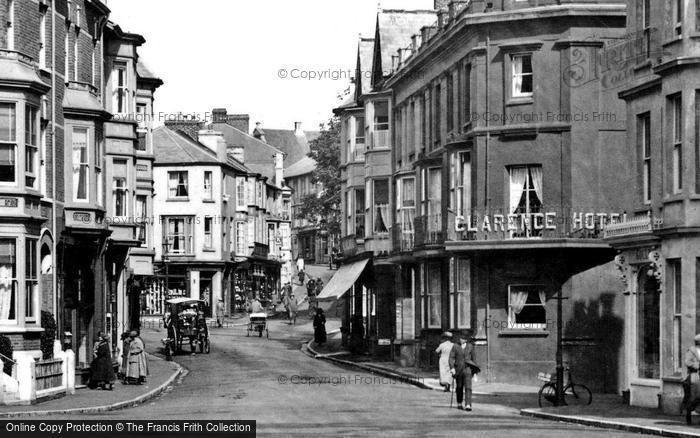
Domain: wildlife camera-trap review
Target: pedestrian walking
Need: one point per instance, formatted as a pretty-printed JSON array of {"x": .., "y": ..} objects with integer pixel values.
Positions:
[
  {"x": 463, "y": 366},
  {"x": 137, "y": 364},
  {"x": 293, "y": 309},
  {"x": 320, "y": 327},
  {"x": 220, "y": 313},
  {"x": 301, "y": 277},
  {"x": 691, "y": 384},
  {"x": 319, "y": 286},
  {"x": 311, "y": 287},
  {"x": 444, "y": 350},
  {"x": 101, "y": 370}
]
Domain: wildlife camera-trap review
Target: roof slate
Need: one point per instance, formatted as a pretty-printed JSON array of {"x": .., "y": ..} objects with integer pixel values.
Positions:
[
  {"x": 301, "y": 167},
  {"x": 394, "y": 31},
  {"x": 256, "y": 154}
]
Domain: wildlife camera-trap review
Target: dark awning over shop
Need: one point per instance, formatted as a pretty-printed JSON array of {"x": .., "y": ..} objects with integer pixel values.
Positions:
[{"x": 343, "y": 280}]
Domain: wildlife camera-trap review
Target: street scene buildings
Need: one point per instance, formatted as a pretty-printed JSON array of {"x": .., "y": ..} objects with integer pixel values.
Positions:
[{"x": 521, "y": 174}]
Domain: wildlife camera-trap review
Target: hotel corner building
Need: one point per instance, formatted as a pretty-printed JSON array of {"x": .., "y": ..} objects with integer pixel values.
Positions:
[
  {"x": 68, "y": 167},
  {"x": 478, "y": 177},
  {"x": 659, "y": 245}
]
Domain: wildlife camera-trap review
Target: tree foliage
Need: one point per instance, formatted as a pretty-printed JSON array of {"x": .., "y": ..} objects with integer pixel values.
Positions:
[
  {"x": 323, "y": 207},
  {"x": 48, "y": 323}
]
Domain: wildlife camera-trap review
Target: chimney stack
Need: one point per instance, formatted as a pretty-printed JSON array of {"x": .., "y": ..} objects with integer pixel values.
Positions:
[
  {"x": 259, "y": 133},
  {"x": 218, "y": 115},
  {"x": 297, "y": 128},
  {"x": 240, "y": 122},
  {"x": 441, "y": 4},
  {"x": 214, "y": 140}
]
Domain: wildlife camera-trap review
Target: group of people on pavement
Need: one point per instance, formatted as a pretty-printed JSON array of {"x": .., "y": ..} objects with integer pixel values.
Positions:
[
  {"x": 458, "y": 365},
  {"x": 133, "y": 368}
]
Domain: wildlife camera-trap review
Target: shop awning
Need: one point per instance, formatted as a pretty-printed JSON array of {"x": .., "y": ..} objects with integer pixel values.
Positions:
[{"x": 343, "y": 280}]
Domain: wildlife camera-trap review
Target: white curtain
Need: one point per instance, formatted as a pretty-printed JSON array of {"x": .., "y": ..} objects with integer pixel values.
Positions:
[
  {"x": 517, "y": 301},
  {"x": 543, "y": 297},
  {"x": 382, "y": 216},
  {"x": 5, "y": 291},
  {"x": 536, "y": 174},
  {"x": 76, "y": 171},
  {"x": 518, "y": 178},
  {"x": 517, "y": 74}
]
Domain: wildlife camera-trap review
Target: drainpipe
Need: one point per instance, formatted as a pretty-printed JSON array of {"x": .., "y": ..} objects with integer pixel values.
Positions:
[
  {"x": 54, "y": 275},
  {"x": 486, "y": 205}
]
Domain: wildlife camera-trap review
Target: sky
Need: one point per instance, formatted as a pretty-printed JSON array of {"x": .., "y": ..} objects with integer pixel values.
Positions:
[{"x": 232, "y": 54}]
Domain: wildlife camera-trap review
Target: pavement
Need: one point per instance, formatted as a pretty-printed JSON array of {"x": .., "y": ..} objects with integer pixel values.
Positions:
[
  {"x": 162, "y": 375},
  {"x": 606, "y": 411}
]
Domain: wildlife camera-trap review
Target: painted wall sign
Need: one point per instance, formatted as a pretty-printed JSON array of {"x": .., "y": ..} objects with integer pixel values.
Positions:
[
  {"x": 535, "y": 221},
  {"x": 9, "y": 202}
]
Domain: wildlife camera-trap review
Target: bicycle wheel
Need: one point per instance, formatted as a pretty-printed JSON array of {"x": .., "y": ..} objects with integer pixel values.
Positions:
[
  {"x": 547, "y": 395},
  {"x": 577, "y": 395}
]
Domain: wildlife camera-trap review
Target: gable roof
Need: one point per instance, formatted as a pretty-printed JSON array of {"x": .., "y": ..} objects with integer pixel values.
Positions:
[
  {"x": 257, "y": 155},
  {"x": 365, "y": 51},
  {"x": 295, "y": 147},
  {"x": 393, "y": 32},
  {"x": 301, "y": 167},
  {"x": 173, "y": 147}
]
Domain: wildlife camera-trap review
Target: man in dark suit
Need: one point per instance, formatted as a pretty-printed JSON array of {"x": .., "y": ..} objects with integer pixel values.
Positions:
[{"x": 463, "y": 366}]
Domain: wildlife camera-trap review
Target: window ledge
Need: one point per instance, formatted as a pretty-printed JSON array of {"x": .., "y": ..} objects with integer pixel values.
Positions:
[
  {"x": 531, "y": 333},
  {"x": 209, "y": 201},
  {"x": 672, "y": 41},
  {"x": 208, "y": 250},
  {"x": 674, "y": 379},
  {"x": 177, "y": 200},
  {"x": 516, "y": 101}
]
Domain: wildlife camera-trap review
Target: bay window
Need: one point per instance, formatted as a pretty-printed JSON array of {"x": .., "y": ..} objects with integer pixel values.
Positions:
[
  {"x": 526, "y": 307},
  {"x": 178, "y": 234},
  {"x": 10, "y": 25},
  {"x": 381, "y": 206},
  {"x": 526, "y": 198},
  {"x": 381, "y": 124},
  {"x": 120, "y": 188},
  {"x": 349, "y": 211},
  {"x": 432, "y": 195},
  {"x": 31, "y": 145},
  {"x": 522, "y": 75},
  {"x": 8, "y": 142},
  {"x": 98, "y": 172},
  {"x": 120, "y": 89},
  {"x": 8, "y": 280},
  {"x": 31, "y": 274},
  {"x": 80, "y": 165},
  {"x": 177, "y": 184},
  {"x": 406, "y": 205},
  {"x": 359, "y": 212}
]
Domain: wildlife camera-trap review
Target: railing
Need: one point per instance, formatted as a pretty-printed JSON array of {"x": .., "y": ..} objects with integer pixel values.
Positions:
[
  {"x": 630, "y": 227},
  {"x": 49, "y": 374},
  {"x": 428, "y": 230}
]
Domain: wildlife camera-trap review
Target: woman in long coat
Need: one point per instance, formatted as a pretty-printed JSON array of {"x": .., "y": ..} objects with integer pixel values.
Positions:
[
  {"x": 137, "y": 366},
  {"x": 320, "y": 327},
  {"x": 101, "y": 371},
  {"x": 444, "y": 350}
]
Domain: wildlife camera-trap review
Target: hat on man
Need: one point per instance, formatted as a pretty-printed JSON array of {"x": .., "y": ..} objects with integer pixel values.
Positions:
[{"x": 447, "y": 335}]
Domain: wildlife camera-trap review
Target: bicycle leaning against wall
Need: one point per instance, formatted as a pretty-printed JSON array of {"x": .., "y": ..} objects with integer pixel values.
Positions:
[{"x": 575, "y": 394}]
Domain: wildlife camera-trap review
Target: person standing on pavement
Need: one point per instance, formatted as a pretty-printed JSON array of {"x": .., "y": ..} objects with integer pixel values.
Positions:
[
  {"x": 691, "y": 384},
  {"x": 319, "y": 286},
  {"x": 320, "y": 327},
  {"x": 293, "y": 309},
  {"x": 311, "y": 287},
  {"x": 101, "y": 371},
  {"x": 444, "y": 350},
  {"x": 220, "y": 313},
  {"x": 137, "y": 366},
  {"x": 463, "y": 366}
]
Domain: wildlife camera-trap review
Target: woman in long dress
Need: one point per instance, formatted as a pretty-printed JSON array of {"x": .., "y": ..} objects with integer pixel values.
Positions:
[
  {"x": 137, "y": 367},
  {"x": 444, "y": 350},
  {"x": 102, "y": 373},
  {"x": 691, "y": 385}
]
